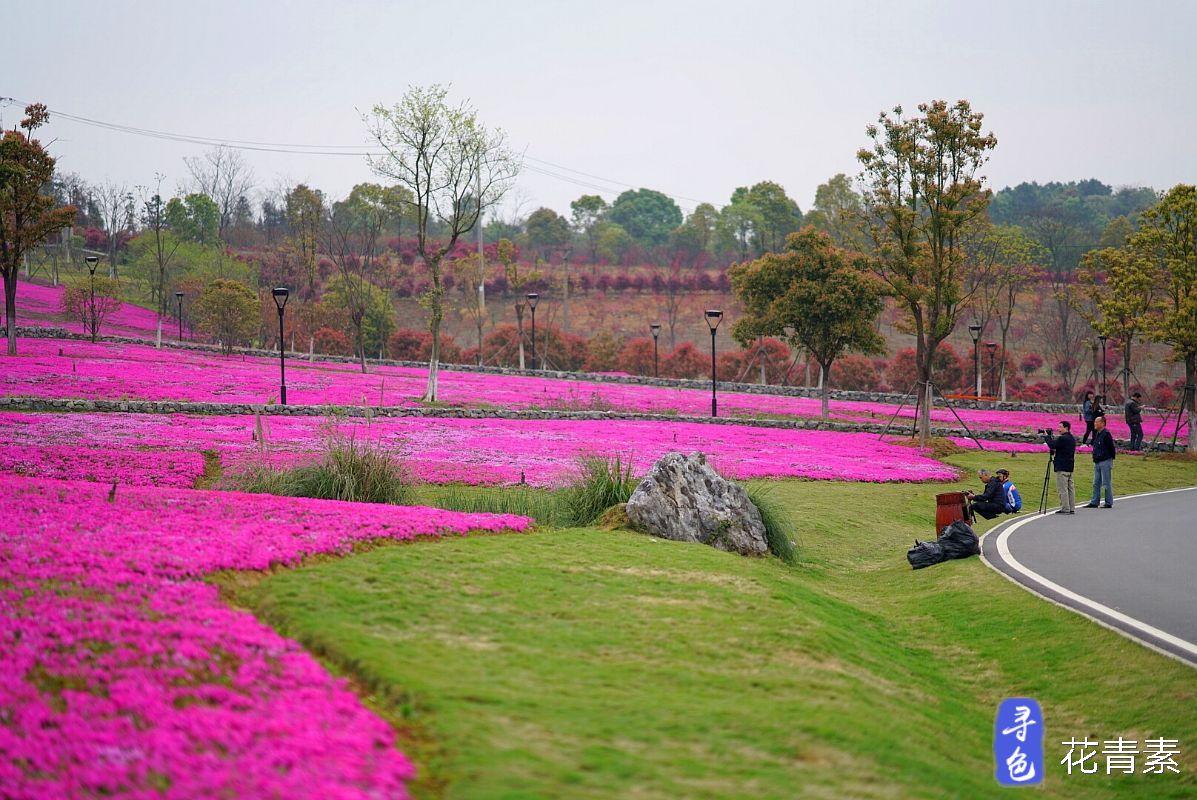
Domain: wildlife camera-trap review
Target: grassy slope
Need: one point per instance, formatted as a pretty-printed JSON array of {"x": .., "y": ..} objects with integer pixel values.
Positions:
[{"x": 586, "y": 663}]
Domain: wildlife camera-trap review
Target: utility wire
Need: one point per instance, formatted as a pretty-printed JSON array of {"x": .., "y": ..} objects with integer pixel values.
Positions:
[{"x": 359, "y": 151}]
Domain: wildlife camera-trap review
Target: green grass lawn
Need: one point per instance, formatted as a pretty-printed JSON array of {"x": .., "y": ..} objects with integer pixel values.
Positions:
[{"x": 587, "y": 663}]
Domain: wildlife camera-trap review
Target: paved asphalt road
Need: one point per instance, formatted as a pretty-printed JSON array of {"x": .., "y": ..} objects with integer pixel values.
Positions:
[{"x": 1133, "y": 567}]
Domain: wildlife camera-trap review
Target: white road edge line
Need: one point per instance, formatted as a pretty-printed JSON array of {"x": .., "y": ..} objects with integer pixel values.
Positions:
[{"x": 1149, "y": 630}]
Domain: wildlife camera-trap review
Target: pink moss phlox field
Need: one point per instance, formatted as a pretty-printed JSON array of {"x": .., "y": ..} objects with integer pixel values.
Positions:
[
  {"x": 492, "y": 451},
  {"x": 137, "y": 467},
  {"x": 123, "y": 371},
  {"x": 123, "y": 673},
  {"x": 40, "y": 306}
]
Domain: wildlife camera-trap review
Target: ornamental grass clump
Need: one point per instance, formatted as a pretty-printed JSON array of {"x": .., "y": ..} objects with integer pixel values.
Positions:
[
  {"x": 604, "y": 482},
  {"x": 778, "y": 525},
  {"x": 347, "y": 470}
]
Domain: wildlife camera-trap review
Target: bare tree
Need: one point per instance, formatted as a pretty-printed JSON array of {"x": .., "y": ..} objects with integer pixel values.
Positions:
[
  {"x": 115, "y": 202},
  {"x": 222, "y": 174},
  {"x": 153, "y": 217},
  {"x": 350, "y": 238},
  {"x": 438, "y": 152}
]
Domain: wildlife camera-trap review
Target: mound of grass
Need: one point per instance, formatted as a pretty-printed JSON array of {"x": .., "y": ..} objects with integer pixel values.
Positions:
[{"x": 594, "y": 664}]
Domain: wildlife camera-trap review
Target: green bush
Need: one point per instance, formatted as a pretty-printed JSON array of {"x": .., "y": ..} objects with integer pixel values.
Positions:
[
  {"x": 539, "y": 504},
  {"x": 778, "y": 525}
]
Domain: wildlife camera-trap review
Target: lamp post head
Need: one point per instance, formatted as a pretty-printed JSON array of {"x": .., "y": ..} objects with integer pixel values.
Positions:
[
  {"x": 991, "y": 347},
  {"x": 280, "y": 293},
  {"x": 533, "y": 299},
  {"x": 713, "y": 318},
  {"x": 91, "y": 263},
  {"x": 655, "y": 328},
  {"x": 179, "y": 295},
  {"x": 1102, "y": 338},
  {"x": 975, "y": 330}
]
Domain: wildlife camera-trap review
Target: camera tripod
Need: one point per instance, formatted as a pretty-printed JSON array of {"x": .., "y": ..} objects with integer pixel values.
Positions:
[
  {"x": 918, "y": 403},
  {"x": 1047, "y": 474}
]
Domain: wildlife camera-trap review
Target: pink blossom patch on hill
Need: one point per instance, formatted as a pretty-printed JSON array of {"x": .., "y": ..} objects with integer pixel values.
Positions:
[{"x": 123, "y": 674}]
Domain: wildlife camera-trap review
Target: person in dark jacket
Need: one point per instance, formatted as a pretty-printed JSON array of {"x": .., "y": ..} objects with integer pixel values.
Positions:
[
  {"x": 1087, "y": 408},
  {"x": 1063, "y": 447},
  {"x": 1103, "y": 464},
  {"x": 992, "y": 501},
  {"x": 1134, "y": 420}
]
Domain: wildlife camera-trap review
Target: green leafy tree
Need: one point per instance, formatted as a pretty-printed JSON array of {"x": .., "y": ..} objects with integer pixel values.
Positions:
[
  {"x": 696, "y": 235},
  {"x": 547, "y": 231},
  {"x": 777, "y": 214},
  {"x": 228, "y": 312},
  {"x": 614, "y": 243},
  {"x": 305, "y": 217},
  {"x": 194, "y": 218},
  {"x": 647, "y": 215},
  {"x": 588, "y": 212},
  {"x": 1119, "y": 287},
  {"x": 1167, "y": 240},
  {"x": 27, "y": 215},
  {"x": 354, "y": 296},
  {"x": 838, "y": 212},
  {"x": 737, "y": 229},
  {"x": 455, "y": 168},
  {"x": 923, "y": 187},
  {"x": 813, "y": 288}
]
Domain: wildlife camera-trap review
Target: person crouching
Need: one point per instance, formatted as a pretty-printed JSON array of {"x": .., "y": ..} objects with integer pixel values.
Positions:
[{"x": 992, "y": 501}]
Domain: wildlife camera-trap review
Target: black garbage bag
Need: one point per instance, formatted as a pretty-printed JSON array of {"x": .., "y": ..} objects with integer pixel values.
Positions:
[
  {"x": 954, "y": 541},
  {"x": 924, "y": 554},
  {"x": 959, "y": 541}
]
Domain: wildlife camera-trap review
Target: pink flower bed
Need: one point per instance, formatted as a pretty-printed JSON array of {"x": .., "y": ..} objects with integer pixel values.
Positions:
[
  {"x": 122, "y": 672},
  {"x": 72, "y": 369},
  {"x": 40, "y": 306},
  {"x": 491, "y": 451},
  {"x": 137, "y": 467}
]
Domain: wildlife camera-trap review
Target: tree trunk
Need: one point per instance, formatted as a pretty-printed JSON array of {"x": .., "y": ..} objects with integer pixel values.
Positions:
[
  {"x": 10, "y": 312},
  {"x": 1126, "y": 387},
  {"x": 519, "y": 324},
  {"x": 158, "y": 333},
  {"x": 924, "y": 422},
  {"x": 825, "y": 392},
  {"x": 1190, "y": 380},
  {"x": 434, "y": 361}
]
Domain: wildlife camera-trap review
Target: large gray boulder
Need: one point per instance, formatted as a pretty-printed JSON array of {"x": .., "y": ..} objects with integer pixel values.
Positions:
[{"x": 682, "y": 498}]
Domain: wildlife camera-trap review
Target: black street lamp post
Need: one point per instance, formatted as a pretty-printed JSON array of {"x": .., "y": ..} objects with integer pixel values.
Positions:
[
  {"x": 179, "y": 297},
  {"x": 713, "y": 319},
  {"x": 1102, "y": 339},
  {"x": 92, "y": 261},
  {"x": 991, "y": 347},
  {"x": 975, "y": 330},
  {"x": 280, "y": 294},
  {"x": 656, "y": 331},
  {"x": 533, "y": 299}
]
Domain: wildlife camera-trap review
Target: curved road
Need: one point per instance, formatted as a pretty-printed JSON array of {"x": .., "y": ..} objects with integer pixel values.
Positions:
[{"x": 1133, "y": 568}]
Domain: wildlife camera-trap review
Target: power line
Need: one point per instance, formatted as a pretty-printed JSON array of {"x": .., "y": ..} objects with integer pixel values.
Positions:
[{"x": 359, "y": 151}]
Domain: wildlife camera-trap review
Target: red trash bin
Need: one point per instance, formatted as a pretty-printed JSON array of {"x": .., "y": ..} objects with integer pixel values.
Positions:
[{"x": 950, "y": 507}]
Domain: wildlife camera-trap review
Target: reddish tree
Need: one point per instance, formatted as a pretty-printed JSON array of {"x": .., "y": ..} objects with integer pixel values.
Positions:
[
  {"x": 636, "y": 357},
  {"x": 332, "y": 342},
  {"x": 857, "y": 373},
  {"x": 686, "y": 362}
]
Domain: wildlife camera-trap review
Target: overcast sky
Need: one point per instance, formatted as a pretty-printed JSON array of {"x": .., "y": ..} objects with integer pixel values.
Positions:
[{"x": 692, "y": 98}]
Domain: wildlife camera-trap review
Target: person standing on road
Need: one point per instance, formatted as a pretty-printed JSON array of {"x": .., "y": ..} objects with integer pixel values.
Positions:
[
  {"x": 1134, "y": 420},
  {"x": 1063, "y": 447},
  {"x": 1103, "y": 464},
  {"x": 1087, "y": 408}
]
